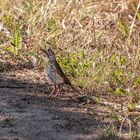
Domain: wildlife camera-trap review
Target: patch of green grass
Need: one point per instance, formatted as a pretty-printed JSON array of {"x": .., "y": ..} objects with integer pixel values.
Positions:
[
  {"x": 15, "y": 41},
  {"x": 109, "y": 132},
  {"x": 136, "y": 135}
]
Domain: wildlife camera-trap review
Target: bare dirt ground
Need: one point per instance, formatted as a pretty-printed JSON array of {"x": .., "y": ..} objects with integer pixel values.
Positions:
[{"x": 27, "y": 113}]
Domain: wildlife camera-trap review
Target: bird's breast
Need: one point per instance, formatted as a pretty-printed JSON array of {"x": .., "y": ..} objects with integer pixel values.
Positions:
[{"x": 52, "y": 75}]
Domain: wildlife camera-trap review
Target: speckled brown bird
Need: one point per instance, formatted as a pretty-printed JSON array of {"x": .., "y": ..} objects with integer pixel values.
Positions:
[{"x": 54, "y": 73}]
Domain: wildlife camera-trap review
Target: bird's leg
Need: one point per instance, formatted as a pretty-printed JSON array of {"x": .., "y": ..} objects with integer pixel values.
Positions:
[
  {"x": 57, "y": 90},
  {"x": 54, "y": 89}
]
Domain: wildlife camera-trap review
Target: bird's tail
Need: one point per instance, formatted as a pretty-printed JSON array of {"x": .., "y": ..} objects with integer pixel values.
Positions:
[{"x": 74, "y": 89}]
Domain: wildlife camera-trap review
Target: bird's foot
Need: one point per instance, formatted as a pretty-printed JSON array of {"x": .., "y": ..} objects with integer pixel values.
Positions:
[{"x": 56, "y": 91}]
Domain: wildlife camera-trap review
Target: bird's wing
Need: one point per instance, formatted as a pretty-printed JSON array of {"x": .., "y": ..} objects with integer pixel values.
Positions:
[
  {"x": 51, "y": 75},
  {"x": 60, "y": 71},
  {"x": 64, "y": 77}
]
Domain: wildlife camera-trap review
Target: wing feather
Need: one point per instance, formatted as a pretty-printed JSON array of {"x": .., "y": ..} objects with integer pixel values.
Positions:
[{"x": 60, "y": 71}]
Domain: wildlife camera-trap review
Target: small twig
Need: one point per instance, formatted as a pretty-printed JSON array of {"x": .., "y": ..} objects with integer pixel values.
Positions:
[
  {"x": 118, "y": 80},
  {"x": 103, "y": 102},
  {"x": 129, "y": 122},
  {"x": 132, "y": 25}
]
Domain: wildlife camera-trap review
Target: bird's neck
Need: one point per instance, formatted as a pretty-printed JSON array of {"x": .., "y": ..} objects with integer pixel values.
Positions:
[{"x": 53, "y": 61}]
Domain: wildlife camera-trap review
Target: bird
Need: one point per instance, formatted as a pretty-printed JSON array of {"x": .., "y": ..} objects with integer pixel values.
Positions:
[{"x": 54, "y": 73}]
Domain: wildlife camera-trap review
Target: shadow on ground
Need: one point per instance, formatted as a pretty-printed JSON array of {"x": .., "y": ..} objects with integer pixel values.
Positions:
[{"x": 27, "y": 113}]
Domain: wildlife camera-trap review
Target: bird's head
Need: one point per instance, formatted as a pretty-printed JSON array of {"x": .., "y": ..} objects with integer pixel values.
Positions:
[{"x": 49, "y": 53}]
